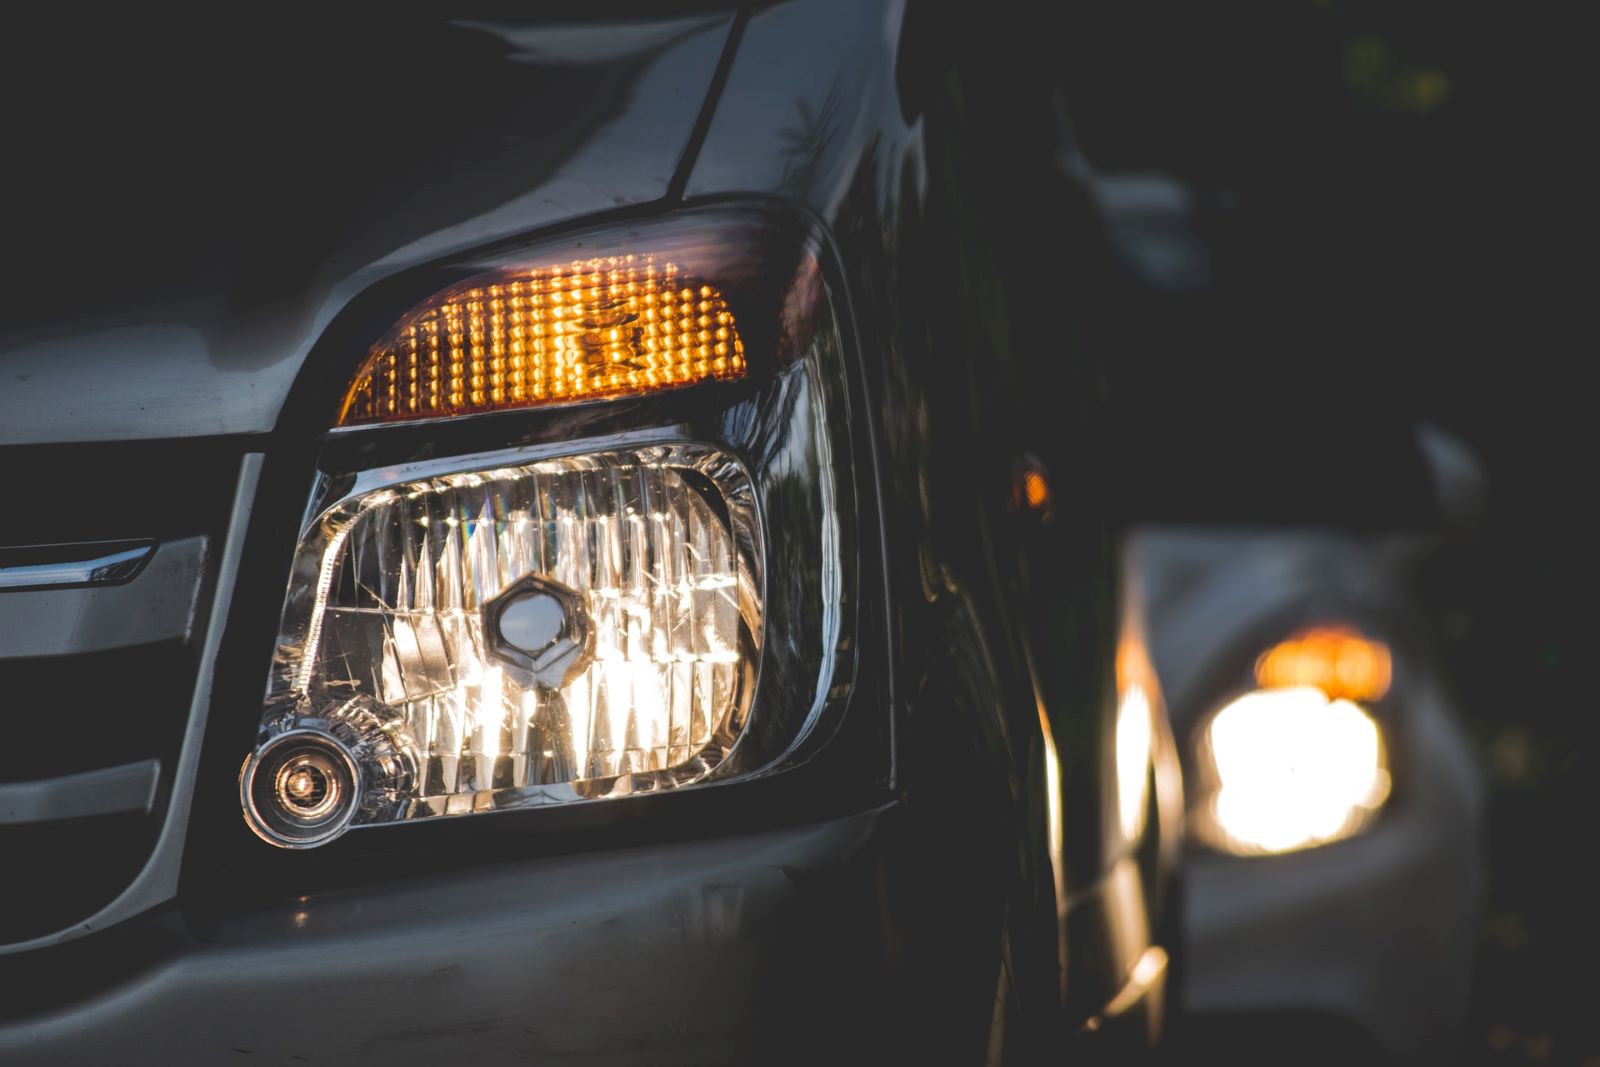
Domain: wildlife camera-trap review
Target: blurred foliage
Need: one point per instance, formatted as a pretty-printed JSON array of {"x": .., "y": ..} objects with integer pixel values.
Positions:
[{"x": 1375, "y": 77}]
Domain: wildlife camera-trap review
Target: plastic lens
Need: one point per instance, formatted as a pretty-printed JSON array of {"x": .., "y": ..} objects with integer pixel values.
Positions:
[
  {"x": 590, "y": 329},
  {"x": 569, "y": 627},
  {"x": 576, "y": 620}
]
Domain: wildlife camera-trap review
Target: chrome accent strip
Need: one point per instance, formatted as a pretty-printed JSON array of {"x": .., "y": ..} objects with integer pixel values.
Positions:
[
  {"x": 158, "y": 881},
  {"x": 331, "y": 492},
  {"x": 158, "y": 605},
  {"x": 92, "y": 563},
  {"x": 113, "y": 791}
]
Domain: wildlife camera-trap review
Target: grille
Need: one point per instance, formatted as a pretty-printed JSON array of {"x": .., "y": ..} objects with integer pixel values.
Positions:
[{"x": 96, "y": 681}]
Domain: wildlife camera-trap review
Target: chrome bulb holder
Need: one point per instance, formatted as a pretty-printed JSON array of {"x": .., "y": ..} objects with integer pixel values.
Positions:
[
  {"x": 317, "y": 773},
  {"x": 300, "y": 789},
  {"x": 539, "y": 631}
]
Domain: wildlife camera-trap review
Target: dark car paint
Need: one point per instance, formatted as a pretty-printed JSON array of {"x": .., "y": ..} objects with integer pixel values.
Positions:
[
  {"x": 189, "y": 236},
  {"x": 937, "y": 928},
  {"x": 936, "y": 185},
  {"x": 1287, "y": 944}
]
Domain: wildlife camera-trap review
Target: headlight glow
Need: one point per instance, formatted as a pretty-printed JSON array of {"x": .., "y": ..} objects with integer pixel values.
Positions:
[
  {"x": 1289, "y": 769},
  {"x": 567, "y": 628},
  {"x": 658, "y": 580}
]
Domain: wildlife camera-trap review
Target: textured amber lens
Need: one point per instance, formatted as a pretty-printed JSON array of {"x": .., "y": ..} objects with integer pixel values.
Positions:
[{"x": 596, "y": 328}]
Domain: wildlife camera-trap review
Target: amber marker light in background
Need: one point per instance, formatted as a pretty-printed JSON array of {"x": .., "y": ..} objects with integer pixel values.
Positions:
[
  {"x": 591, "y": 329},
  {"x": 1030, "y": 488},
  {"x": 1335, "y": 659}
]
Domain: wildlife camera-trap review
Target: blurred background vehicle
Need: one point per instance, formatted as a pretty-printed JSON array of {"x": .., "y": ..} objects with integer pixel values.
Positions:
[
  {"x": 1418, "y": 167},
  {"x": 1334, "y": 869}
]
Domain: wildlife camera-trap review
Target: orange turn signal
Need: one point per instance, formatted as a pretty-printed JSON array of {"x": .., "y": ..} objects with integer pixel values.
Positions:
[
  {"x": 1336, "y": 659},
  {"x": 592, "y": 329}
]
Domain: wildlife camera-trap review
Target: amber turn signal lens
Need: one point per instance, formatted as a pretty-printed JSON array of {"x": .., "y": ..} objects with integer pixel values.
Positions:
[
  {"x": 592, "y": 329},
  {"x": 1337, "y": 660}
]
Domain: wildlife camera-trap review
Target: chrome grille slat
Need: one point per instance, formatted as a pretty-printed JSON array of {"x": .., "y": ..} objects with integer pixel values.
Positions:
[
  {"x": 157, "y": 605},
  {"x": 53, "y": 566},
  {"x": 130, "y": 788},
  {"x": 118, "y": 676}
]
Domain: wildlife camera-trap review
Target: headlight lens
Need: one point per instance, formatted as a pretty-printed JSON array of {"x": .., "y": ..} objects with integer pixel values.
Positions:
[
  {"x": 574, "y": 620},
  {"x": 567, "y": 627}
]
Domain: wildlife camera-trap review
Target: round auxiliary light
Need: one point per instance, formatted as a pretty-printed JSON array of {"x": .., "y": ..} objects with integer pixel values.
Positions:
[{"x": 300, "y": 789}]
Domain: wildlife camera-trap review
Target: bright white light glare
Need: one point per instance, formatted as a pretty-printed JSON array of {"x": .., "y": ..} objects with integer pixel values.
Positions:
[
  {"x": 657, "y": 546},
  {"x": 1133, "y": 760},
  {"x": 1292, "y": 770}
]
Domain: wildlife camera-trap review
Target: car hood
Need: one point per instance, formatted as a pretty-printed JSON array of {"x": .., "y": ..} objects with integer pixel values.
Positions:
[{"x": 187, "y": 220}]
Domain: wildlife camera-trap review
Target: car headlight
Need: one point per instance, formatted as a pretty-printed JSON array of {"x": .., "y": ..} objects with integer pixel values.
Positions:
[
  {"x": 656, "y": 600},
  {"x": 1298, "y": 762}
]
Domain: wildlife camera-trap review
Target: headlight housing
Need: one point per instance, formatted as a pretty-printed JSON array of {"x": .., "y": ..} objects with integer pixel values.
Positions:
[{"x": 648, "y": 585}]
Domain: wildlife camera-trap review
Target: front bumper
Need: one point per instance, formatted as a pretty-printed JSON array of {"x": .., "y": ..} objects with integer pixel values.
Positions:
[
  {"x": 1375, "y": 934},
  {"x": 710, "y": 951},
  {"x": 787, "y": 945}
]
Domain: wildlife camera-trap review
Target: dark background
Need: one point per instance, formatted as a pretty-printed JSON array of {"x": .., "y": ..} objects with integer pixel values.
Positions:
[{"x": 1421, "y": 167}]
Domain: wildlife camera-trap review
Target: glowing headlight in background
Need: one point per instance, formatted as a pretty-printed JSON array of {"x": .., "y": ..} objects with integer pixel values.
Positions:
[{"x": 1290, "y": 769}]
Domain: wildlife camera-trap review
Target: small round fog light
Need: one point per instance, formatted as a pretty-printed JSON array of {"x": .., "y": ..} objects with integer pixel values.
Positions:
[{"x": 300, "y": 789}]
